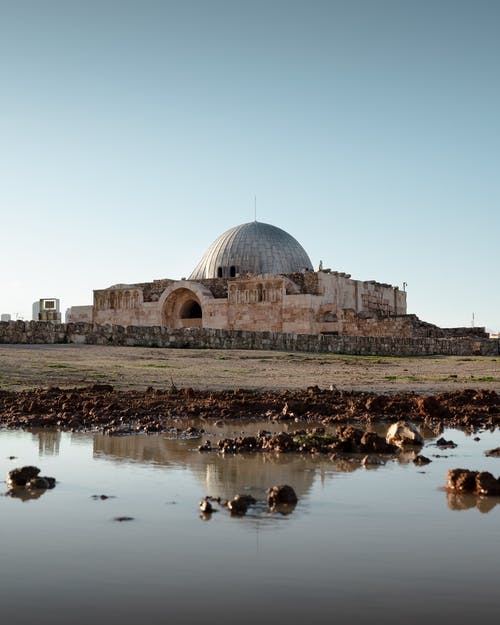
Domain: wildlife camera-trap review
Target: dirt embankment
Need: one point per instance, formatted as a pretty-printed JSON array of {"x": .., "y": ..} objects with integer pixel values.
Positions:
[{"x": 121, "y": 412}]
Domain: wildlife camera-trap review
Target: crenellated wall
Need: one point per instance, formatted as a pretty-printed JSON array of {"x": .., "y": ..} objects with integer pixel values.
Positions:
[{"x": 30, "y": 332}]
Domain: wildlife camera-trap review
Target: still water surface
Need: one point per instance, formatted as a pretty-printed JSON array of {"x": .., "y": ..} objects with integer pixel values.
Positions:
[{"x": 362, "y": 546}]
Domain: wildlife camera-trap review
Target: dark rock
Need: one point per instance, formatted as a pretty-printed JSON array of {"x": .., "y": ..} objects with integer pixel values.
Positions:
[
  {"x": 421, "y": 460},
  {"x": 192, "y": 432},
  {"x": 372, "y": 442},
  {"x": 206, "y": 507},
  {"x": 294, "y": 408},
  {"x": 493, "y": 453},
  {"x": 486, "y": 484},
  {"x": 479, "y": 483},
  {"x": 239, "y": 504},
  {"x": 441, "y": 442},
  {"x": 281, "y": 494},
  {"x": 19, "y": 477},
  {"x": 120, "y": 519},
  {"x": 38, "y": 483},
  {"x": 432, "y": 408},
  {"x": 461, "y": 480}
]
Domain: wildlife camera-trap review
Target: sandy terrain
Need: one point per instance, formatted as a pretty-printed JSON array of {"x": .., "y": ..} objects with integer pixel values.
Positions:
[{"x": 30, "y": 366}]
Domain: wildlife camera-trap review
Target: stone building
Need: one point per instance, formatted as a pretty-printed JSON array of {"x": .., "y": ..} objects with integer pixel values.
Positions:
[{"x": 254, "y": 276}]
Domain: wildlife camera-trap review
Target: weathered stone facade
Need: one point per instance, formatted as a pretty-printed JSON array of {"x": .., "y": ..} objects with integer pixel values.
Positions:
[
  {"x": 30, "y": 332},
  {"x": 304, "y": 303},
  {"x": 229, "y": 290}
]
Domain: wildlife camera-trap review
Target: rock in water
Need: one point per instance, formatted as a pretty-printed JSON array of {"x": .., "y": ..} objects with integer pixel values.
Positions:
[
  {"x": 476, "y": 482},
  {"x": 38, "y": 483},
  {"x": 404, "y": 434},
  {"x": 421, "y": 460},
  {"x": 281, "y": 494},
  {"x": 206, "y": 506},
  {"x": 493, "y": 453},
  {"x": 239, "y": 504},
  {"x": 19, "y": 477}
]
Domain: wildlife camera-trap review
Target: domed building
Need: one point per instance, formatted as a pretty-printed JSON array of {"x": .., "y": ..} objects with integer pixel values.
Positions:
[
  {"x": 254, "y": 276},
  {"x": 252, "y": 248}
]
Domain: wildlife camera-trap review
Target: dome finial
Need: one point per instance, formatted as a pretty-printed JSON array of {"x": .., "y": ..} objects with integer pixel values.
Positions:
[{"x": 255, "y": 208}]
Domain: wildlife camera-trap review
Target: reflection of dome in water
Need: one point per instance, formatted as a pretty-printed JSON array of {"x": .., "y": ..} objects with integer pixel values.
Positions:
[{"x": 255, "y": 248}]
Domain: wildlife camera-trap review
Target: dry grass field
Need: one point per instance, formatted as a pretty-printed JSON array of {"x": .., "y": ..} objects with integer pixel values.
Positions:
[{"x": 31, "y": 366}]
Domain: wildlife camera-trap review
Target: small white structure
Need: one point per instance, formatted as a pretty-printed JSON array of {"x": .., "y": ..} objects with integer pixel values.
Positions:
[{"x": 47, "y": 309}]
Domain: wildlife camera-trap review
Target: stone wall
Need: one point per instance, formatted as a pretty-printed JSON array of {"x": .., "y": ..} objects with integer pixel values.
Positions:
[
  {"x": 425, "y": 329},
  {"x": 27, "y": 332},
  {"x": 79, "y": 314}
]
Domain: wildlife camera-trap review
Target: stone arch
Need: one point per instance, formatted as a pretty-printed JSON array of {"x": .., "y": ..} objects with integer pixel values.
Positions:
[{"x": 182, "y": 305}]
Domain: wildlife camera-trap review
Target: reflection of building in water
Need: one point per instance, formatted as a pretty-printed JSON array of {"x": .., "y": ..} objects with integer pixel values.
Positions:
[
  {"x": 221, "y": 476},
  {"x": 48, "y": 442}
]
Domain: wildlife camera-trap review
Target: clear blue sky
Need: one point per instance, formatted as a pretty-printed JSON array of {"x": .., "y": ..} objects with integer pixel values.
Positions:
[{"x": 132, "y": 133}]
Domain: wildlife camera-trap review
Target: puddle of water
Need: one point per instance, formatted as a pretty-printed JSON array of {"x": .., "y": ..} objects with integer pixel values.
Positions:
[{"x": 362, "y": 545}]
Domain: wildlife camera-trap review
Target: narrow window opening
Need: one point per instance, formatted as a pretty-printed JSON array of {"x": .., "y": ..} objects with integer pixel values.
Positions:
[
  {"x": 219, "y": 272},
  {"x": 232, "y": 271}
]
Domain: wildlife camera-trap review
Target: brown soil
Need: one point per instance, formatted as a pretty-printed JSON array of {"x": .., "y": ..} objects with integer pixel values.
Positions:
[{"x": 121, "y": 390}]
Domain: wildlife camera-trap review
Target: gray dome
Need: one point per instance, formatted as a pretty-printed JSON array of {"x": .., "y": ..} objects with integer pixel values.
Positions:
[{"x": 252, "y": 248}]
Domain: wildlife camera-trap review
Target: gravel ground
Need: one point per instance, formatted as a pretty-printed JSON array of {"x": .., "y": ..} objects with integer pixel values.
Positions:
[{"x": 135, "y": 368}]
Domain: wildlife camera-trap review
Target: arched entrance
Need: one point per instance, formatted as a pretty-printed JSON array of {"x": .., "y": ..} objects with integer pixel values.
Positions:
[
  {"x": 182, "y": 309},
  {"x": 191, "y": 310}
]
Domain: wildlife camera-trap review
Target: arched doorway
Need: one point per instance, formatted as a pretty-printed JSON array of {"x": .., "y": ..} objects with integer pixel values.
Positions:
[
  {"x": 190, "y": 310},
  {"x": 182, "y": 309}
]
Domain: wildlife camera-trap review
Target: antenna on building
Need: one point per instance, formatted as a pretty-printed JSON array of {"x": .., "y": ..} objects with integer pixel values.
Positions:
[
  {"x": 255, "y": 208},
  {"x": 472, "y": 319}
]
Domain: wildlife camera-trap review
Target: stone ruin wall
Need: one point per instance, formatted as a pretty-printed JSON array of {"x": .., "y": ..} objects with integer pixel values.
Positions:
[
  {"x": 310, "y": 302},
  {"x": 39, "y": 332},
  {"x": 124, "y": 306},
  {"x": 79, "y": 314}
]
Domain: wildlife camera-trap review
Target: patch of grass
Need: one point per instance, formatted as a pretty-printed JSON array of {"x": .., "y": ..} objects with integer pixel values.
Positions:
[
  {"x": 59, "y": 365},
  {"x": 446, "y": 378},
  {"x": 155, "y": 365}
]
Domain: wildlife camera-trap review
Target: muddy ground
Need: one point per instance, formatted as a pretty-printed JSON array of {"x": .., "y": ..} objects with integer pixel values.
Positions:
[{"x": 122, "y": 390}]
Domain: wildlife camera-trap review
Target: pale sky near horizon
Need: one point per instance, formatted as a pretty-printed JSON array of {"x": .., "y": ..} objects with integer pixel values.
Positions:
[{"x": 134, "y": 132}]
